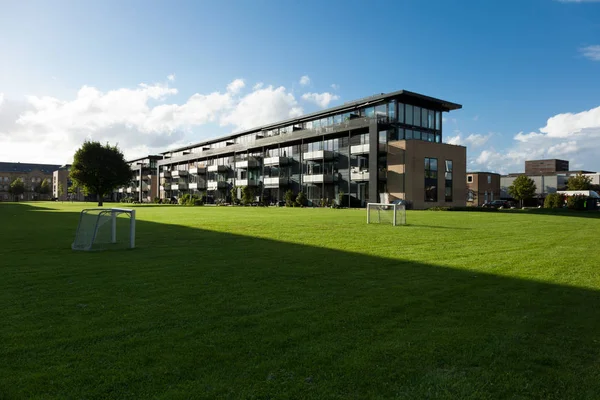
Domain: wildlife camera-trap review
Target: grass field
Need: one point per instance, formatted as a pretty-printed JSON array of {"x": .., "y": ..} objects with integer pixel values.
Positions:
[{"x": 301, "y": 303}]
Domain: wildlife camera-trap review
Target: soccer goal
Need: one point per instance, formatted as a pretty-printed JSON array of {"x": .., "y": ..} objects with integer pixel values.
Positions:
[
  {"x": 103, "y": 228},
  {"x": 380, "y": 213}
]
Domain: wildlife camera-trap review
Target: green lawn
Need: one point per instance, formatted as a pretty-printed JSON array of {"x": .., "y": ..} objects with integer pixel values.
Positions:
[{"x": 301, "y": 303}]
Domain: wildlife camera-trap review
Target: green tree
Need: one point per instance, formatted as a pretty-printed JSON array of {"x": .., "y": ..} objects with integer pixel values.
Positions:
[
  {"x": 290, "y": 198},
  {"x": 579, "y": 182},
  {"x": 247, "y": 195},
  {"x": 233, "y": 193},
  {"x": 60, "y": 190},
  {"x": 522, "y": 188},
  {"x": 301, "y": 199},
  {"x": 44, "y": 187},
  {"x": 99, "y": 169},
  {"x": 17, "y": 188}
]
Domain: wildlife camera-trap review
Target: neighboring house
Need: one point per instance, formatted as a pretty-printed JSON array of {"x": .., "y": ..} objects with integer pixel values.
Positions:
[
  {"x": 69, "y": 193},
  {"x": 32, "y": 176},
  {"x": 383, "y": 147},
  {"x": 482, "y": 187}
]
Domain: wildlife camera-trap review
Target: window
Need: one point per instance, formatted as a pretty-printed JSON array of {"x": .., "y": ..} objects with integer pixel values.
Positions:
[
  {"x": 430, "y": 119},
  {"x": 381, "y": 110},
  {"x": 469, "y": 178},
  {"x": 392, "y": 110},
  {"x": 489, "y": 179},
  {"x": 438, "y": 120},
  {"x": 470, "y": 196},
  {"x": 431, "y": 179},
  {"x": 409, "y": 114},
  {"x": 417, "y": 116},
  {"x": 401, "y": 112},
  {"x": 448, "y": 179}
]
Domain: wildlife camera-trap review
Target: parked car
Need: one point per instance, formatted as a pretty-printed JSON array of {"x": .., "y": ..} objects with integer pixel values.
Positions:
[{"x": 497, "y": 204}]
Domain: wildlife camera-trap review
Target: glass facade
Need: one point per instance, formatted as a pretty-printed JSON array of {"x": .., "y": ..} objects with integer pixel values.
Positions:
[
  {"x": 448, "y": 179},
  {"x": 431, "y": 179}
]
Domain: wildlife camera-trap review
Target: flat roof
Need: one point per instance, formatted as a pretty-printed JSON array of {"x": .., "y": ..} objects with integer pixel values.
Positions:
[
  {"x": 440, "y": 105},
  {"x": 482, "y": 172}
]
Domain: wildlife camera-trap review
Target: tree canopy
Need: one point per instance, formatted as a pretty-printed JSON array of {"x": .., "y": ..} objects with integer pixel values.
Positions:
[
  {"x": 17, "y": 187},
  {"x": 579, "y": 182},
  {"x": 99, "y": 169},
  {"x": 44, "y": 187},
  {"x": 522, "y": 188}
]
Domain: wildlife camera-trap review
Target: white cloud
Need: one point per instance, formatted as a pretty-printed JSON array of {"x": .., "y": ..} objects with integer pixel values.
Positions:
[
  {"x": 262, "y": 106},
  {"x": 320, "y": 99},
  {"x": 571, "y": 136},
  {"x": 235, "y": 86},
  {"x": 259, "y": 85},
  {"x": 304, "y": 80},
  {"x": 335, "y": 86},
  {"x": 591, "y": 52},
  {"x": 171, "y": 78},
  {"x": 456, "y": 140},
  {"x": 139, "y": 119},
  {"x": 473, "y": 140},
  {"x": 1, "y": 99}
]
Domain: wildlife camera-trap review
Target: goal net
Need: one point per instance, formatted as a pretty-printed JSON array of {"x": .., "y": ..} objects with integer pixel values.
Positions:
[
  {"x": 103, "y": 228},
  {"x": 380, "y": 213}
]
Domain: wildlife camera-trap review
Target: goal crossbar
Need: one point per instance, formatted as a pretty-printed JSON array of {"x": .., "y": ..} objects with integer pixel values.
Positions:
[
  {"x": 92, "y": 220},
  {"x": 382, "y": 210}
]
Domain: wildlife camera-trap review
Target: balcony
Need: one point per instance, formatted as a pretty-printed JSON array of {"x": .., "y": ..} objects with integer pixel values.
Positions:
[
  {"x": 276, "y": 161},
  {"x": 121, "y": 190},
  {"x": 165, "y": 174},
  {"x": 145, "y": 187},
  {"x": 251, "y": 162},
  {"x": 217, "y": 168},
  {"x": 129, "y": 190},
  {"x": 179, "y": 186},
  {"x": 276, "y": 182},
  {"x": 358, "y": 175},
  {"x": 197, "y": 170},
  {"x": 214, "y": 185},
  {"x": 177, "y": 173},
  {"x": 318, "y": 178},
  {"x": 197, "y": 185},
  {"x": 364, "y": 148},
  {"x": 165, "y": 186},
  {"x": 138, "y": 177},
  {"x": 247, "y": 182},
  {"x": 317, "y": 155}
]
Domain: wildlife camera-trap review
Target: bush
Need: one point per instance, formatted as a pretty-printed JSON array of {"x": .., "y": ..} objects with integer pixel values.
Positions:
[
  {"x": 340, "y": 198},
  {"x": 577, "y": 202},
  {"x": 439, "y": 208},
  {"x": 184, "y": 199},
  {"x": 290, "y": 199},
  {"x": 198, "y": 202},
  {"x": 554, "y": 200},
  {"x": 301, "y": 199},
  {"x": 157, "y": 200}
]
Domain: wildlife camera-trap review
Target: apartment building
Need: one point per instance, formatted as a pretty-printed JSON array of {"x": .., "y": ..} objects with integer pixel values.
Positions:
[
  {"x": 62, "y": 185},
  {"x": 380, "y": 148},
  {"x": 144, "y": 183},
  {"x": 31, "y": 174},
  {"x": 482, "y": 187}
]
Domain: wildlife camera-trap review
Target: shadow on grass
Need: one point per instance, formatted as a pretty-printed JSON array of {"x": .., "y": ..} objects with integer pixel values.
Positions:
[{"x": 204, "y": 314}]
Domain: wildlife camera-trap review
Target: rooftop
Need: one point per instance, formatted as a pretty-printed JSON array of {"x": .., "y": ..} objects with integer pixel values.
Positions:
[{"x": 27, "y": 167}]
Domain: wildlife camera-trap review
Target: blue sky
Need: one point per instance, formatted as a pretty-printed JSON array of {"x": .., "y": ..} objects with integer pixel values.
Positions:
[{"x": 526, "y": 72}]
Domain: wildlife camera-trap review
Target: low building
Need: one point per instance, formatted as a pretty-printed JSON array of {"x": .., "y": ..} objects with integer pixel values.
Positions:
[
  {"x": 482, "y": 187},
  {"x": 32, "y": 176},
  {"x": 63, "y": 188}
]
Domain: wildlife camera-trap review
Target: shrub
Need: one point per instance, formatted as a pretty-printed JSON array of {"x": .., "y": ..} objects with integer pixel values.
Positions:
[
  {"x": 290, "y": 199},
  {"x": 341, "y": 198},
  {"x": 198, "y": 202},
  {"x": 184, "y": 199},
  {"x": 577, "y": 202},
  {"x": 247, "y": 195},
  {"x": 301, "y": 199},
  {"x": 437, "y": 208},
  {"x": 554, "y": 200},
  {"x": 157, "y": 200}
]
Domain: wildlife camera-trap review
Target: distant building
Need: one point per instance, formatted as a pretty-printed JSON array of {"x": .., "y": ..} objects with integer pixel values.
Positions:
[
  {"x": 31, "y": 174},
  {"x": 549, "y": 176},
  {"x": 61, "y": 179},
  {"x": 482, "y": 187}
]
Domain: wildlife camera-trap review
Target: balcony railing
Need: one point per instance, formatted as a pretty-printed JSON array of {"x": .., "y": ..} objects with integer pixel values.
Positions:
[
  {"x": 197, "y": 170},
  {"x": 165, "y": 174},
  {"x": 179, "y": 186},
  {"x": 249, "y": 163},
  {"x": 197, "y": 185},
  {"x": 276, "y": 182},
  {"x": 178, "y": 173},
  {"x": 359, "y": 175},
  {"x": 247, "y": 182},
  {"x": 318, "y": 155},
  {"x": 214, "y": 185},
  {"x": 276, "y": 161},
  {"x": 165, "y": 186},
  {"x": 318, "y": 178}
]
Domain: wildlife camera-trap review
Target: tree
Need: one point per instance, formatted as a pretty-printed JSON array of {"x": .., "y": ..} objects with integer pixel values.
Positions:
[
  {"x": 301, "y": 199},
  {"x": 60, "y": 190},
  {"x": 290, "y": 198},
  {"x": 17, "y": 188},
  {"x": 44, "y": 187},
  {"x": 522, "y": 188},
  {"x": 247, "y": 195},
  {"x": 99, "y": 169},
  {"x": 579, "y": 182}
]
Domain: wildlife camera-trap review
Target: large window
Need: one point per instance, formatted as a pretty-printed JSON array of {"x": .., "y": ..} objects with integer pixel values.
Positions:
[
  {"x": 401, "y": 112},
  {"x": 417, "y": 116},
  {"x": 409, "y": 114},
  {"x": 448, "y": 178},
  {"x": 431, "y": 178}
]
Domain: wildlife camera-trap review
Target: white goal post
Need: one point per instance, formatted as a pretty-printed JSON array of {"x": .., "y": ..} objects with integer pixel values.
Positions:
[
  {"x": 381, "y": 213},
  {"x": 98, "y": 228}
]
